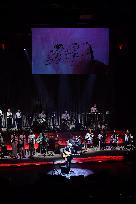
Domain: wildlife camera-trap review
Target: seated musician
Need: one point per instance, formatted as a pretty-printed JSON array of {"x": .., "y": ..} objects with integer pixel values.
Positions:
[
  {"x": 67, "y": 155},
  {"x": 77, "y": 144},
  {"x": 65, "y": 116},
  {"x": 71, "y": 142},
  {"x": 42, "y": 117},
  {"x": 94, "y": 109},
  {"x": 87, "y": 139},
  {"x": 65, "y": 121}
]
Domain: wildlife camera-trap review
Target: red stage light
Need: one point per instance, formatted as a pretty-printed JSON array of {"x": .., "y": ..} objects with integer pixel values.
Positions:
[
  {"x": 121, "y": 46},
  {"x": 3, "y": 46}
]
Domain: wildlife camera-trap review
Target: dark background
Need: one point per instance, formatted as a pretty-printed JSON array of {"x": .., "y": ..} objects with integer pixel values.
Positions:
[{"x": 114, "y": 87}]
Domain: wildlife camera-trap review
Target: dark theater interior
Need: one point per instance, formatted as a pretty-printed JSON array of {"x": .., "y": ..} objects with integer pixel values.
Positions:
[{"x": 67, "y": 102}]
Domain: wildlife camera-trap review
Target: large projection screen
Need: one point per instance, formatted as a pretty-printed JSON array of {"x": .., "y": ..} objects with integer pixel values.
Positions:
[{"x": 68, "y": 50}]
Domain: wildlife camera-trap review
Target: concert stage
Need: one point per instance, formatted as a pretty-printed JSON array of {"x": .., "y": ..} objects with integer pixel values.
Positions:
[
  {"x": 93, "y": 172},
  {"x": 89, "y": 156}
]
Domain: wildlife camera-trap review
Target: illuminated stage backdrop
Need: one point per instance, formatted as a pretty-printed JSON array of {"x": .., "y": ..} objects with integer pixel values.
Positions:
[{"x": 68, "y": 50}]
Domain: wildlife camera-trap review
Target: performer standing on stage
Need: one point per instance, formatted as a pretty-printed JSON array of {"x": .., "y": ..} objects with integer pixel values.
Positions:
[
  {"x": 67, "y": 155},
  {"x": 14, "y": 145},
  {"x": 45, "y": 144},
  {"x": 89, "y": 139},
  {"x": 114, "y": 139},
  {"x": 1, "y": 139},
  {"x": 2, "y": 146},
  {"x": 18, "y": 117},
  {"x": 9, "y": 119},
  {"x": 94, "y": 112},
  {"x": 126, "y": 138},
  {"x": 31, "y": 142},
  {"x": 100, "y": 139},
  {"x": 21, "y": 150},
  {"x": 1, "y": 119}
]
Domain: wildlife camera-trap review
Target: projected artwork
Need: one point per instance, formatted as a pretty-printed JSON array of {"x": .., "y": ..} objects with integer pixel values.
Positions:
[{"x": 68, "y": 50}]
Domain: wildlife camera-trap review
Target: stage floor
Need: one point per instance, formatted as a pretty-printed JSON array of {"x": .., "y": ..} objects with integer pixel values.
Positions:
[{"x": 92, "y": 155}]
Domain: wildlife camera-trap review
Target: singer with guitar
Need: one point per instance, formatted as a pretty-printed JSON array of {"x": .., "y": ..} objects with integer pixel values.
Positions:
[{"x": 67, "y": 155}]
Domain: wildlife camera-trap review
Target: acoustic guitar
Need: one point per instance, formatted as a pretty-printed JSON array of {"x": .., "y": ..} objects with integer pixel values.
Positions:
[{"x": 66, "y": 154}]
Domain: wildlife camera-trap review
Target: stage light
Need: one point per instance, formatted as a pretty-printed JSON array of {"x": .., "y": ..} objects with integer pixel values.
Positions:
[
  {"x": 24, "y": 49},
  {"x": 3, "y": 46},
  {"x": 120, "y": 46}
]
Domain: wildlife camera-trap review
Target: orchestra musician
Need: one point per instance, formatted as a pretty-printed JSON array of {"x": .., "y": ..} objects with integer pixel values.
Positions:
[
  {"x": 31, "y": 142},
  {"x": 9, "y": 116},
  {"x": 127, "y": 139},
  {"x": 77, "y": 144},
  {"x": 100, "y": 139},
  {"x": 1, "y": 118},
  {"x": 39, "y": 141},
  {"x": 114, "y": 139},
  {"x": 42, "y": 117},
  {"x": 14, "y": 145},
  {"x": 1, "y": 139},
  {"x": 94, "y": 109},
  {"x": 51, "y": 144},
  {"x": 94, "y": 112},
  {"x": 89, "y": 138},
  {"x": 65, "y": 118},
  {"x": 131, "y": 140},
  {"x": 18, "y": 117},
  {"x": 43, "y": 143},
  {"x": 20, "y": 145},
  {"x": 2, "y": 146}
]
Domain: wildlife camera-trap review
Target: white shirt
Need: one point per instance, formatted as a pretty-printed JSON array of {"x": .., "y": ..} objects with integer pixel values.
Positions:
[
  {"x": 1, "y": 113},
  {"x": 100, "y": 136},
  {"x": 42, "y": 115},
  {"x": 88, "y": 136},
  {"x": 9, "y": 114},
  {"x": 93, "y": 110},
  {"x": 126, "y": 137},
  {"x": 30, "y": 137},
  {"x": 18, "y": 115},
  {"x": 65, "y": 116}
]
